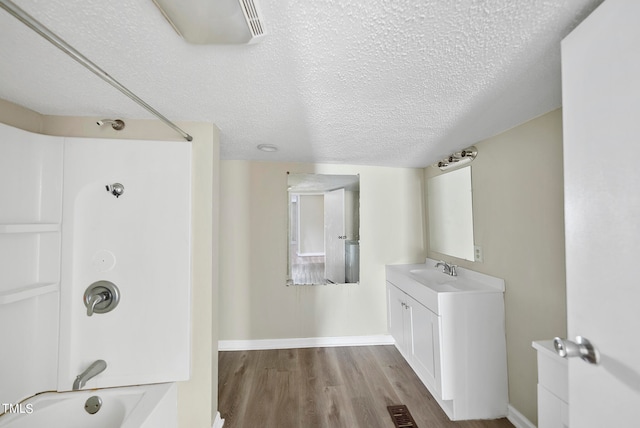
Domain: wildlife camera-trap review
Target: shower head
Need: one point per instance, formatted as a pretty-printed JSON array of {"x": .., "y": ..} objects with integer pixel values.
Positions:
[{"x": 116, "y": 124}]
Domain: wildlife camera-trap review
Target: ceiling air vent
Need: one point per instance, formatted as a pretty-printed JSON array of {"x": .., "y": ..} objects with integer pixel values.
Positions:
[
  {"x": 214, "y": 21},
  {"x": 253, "y": 17}
]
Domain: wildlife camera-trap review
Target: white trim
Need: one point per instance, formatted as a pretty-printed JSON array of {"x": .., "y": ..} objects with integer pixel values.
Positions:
[
  {"x": 218, "y": 422},
  {"x": 518, "y": 419},
  {"x": 304, "y": 342}
]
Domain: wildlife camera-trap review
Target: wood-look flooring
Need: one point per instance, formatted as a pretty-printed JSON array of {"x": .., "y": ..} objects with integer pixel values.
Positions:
[{"x": 326, "y": 387}]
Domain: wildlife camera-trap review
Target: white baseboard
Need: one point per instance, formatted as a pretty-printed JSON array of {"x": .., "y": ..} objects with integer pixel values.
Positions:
[
  {"x": 219, "y": 422},
  {"x": 518, "y": 419},
  {"x": 304, "y": 342}
]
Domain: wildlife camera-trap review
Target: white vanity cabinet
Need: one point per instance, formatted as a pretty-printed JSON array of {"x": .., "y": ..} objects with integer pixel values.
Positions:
[
  {"x": 416, "y": 331},
  {"x": 451, "y": 332}
]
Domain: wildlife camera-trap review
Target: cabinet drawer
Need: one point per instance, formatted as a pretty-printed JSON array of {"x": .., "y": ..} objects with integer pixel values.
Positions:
[
  {"x": 552, "y": 411},
  {"x": 553, "y": 375}
]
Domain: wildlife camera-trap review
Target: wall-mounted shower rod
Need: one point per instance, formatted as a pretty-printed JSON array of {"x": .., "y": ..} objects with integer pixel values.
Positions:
[{"x": 36, "y": 26}]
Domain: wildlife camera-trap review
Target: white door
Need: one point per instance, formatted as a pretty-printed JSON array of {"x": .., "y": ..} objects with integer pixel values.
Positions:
[
  {"x": 601, "y": 109},
  {"x": 334, "y": 235}
]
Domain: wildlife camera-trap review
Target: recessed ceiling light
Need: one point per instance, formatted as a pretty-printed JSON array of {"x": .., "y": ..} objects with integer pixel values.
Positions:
[{"x": 267, "y": 148}]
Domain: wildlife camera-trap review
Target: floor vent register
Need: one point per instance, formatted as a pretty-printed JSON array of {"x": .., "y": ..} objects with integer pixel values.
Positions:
[{"x": 401, "y": 417}]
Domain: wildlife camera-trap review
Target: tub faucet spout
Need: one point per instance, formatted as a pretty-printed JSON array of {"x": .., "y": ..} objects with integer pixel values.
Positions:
[{"x": 92, "y": 371}]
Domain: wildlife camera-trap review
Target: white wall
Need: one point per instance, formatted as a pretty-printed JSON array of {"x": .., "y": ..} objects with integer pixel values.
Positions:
[{"x": 255, "y": 302}]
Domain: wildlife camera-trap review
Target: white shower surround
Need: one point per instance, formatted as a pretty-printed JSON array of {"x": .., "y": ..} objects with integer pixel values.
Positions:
[
  {"x": 141, "y": 242},
  {"x": 146, "y": 339},
  {"x": 30, "y": 235}
]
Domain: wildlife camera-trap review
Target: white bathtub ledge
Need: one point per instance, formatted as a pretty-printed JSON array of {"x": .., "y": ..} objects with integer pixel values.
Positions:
[
  {"x": 218, "y": 422},
  {"x": 158, "y": 408}
]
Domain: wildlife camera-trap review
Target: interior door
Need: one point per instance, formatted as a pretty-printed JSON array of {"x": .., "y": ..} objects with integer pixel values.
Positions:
[
  {"x": 601, "y": 109},
  {"x": 334, "y": 235}
]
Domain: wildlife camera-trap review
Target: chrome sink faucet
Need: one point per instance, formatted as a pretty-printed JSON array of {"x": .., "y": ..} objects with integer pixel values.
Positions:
[
  {"x": 447, "y": 268},
  {"x": 92, "y": 371}
]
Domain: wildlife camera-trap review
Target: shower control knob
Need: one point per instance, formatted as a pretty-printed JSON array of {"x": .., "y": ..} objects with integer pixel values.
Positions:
[
  {"x": 116, "y": 189},
  {"x": 101, "y": 297}
]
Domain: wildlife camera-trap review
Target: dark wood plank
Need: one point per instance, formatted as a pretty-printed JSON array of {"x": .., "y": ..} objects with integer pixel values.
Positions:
[
  {"x": 235, "y": 376},
  {"x": 360, "y": 399},
  {"x": 378, "y": 384},
  {"x": 287, "y": 400},
  {"x": 310, "y": 389},
  {"x": 324, "y": 394},
  {"x": 410, "y": 390},
  {"x": 326, "y": 388},
  {"x": 261, "y": 405}
]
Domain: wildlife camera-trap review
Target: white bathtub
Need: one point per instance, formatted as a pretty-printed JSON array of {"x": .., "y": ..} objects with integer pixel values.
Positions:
[{"x": 144, "y": 406}]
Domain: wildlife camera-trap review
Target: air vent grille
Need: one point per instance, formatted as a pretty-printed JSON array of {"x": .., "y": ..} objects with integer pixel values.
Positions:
[
  {"x": 401, "y": 417},
  {"x": 253, "y": 17}
]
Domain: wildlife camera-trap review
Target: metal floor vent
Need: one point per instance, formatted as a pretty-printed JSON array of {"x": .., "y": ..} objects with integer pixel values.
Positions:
[
  {"x": 253, "y": 17},
  {"x": 401, "y": 417}
]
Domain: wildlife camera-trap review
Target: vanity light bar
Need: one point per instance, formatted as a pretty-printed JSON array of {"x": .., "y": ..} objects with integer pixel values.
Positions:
[{"x": 458, "y": 158}]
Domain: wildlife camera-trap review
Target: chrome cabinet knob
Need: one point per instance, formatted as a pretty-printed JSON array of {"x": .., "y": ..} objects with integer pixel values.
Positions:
[{"x": 580, "y": 348}]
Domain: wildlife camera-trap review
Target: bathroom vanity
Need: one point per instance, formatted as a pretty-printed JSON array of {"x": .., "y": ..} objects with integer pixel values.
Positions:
[{"x": 451, "y": 331}]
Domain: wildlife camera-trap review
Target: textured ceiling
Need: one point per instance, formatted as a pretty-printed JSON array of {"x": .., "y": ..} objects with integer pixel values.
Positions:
[{"x": 378, "y": 82}]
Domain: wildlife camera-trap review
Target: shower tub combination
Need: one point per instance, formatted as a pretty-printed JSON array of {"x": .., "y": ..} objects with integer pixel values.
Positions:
[
  {"x": 90, "y": 213},
  {"x": 146, "y": 406}
]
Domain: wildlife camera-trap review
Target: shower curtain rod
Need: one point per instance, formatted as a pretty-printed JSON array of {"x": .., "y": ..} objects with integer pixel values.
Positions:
[{"x": 36, "y": 26}]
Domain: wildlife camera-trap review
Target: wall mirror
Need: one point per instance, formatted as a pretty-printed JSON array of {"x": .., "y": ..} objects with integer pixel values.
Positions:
[
  {"x": 324, "y": 224},
  {"x": 450, "y": 208}
]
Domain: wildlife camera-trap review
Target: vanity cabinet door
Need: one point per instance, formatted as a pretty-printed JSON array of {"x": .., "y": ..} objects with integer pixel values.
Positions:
[
  {"x": 396, "y": 309},
  {"x": 416, "y": 331},
  {"x": 425, "y": 341}
]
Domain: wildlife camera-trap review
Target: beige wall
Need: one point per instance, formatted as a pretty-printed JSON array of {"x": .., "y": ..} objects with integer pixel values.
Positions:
[
  {"x": 255, "y": 303},
  {"x": 519, "y": 223},
  {"x": 20, "y": 117},
  {"x": 197, "y": 398}
]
